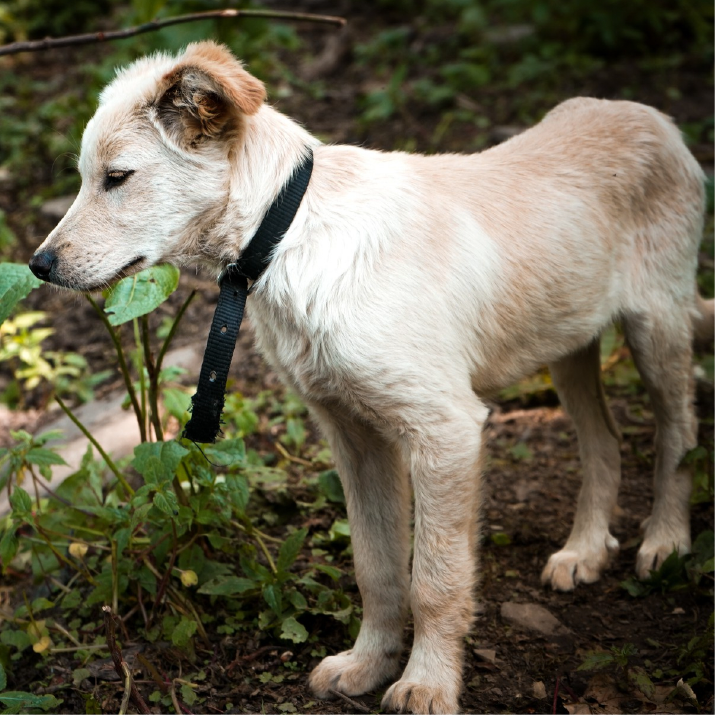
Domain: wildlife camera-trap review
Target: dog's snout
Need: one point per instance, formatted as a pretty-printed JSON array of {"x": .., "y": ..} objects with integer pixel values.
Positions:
[{"x": 41, "y": 264}]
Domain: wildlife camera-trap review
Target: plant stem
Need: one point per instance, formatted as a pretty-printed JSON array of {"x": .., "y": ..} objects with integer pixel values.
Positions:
[
  {"x": 153, "y": 381},
  {"x": 122, "y": 366},
  {"x": 172, "y": 330},
  {"x": 105, "y": 456},
  {"x": 139, "y": 364}
]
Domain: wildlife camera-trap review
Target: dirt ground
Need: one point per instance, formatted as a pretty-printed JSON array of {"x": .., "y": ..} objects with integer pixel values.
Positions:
[{"x": 531, "y": 481}]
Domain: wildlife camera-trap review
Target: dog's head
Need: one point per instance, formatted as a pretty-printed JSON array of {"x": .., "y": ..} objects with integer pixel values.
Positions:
[{"x": 154, "y": 163}]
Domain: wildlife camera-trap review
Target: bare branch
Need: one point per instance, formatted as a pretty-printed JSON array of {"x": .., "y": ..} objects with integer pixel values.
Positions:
[{"x": 50, "y": 42}]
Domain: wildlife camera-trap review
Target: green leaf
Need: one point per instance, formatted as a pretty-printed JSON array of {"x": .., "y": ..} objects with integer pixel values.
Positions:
[
  {"x": 8, "y": 547},
  {"x": 20, "y": 501},
  {"x": 501, "y": 539},
  {"x": 140, "y": 294},
  {"x": 44, "y": 457},
  {"x": 18, "y": 702},
  {"x": 166, "y": 502},
  {"x": 177, "y": 403},
  {"x": 596, "y": 660},
  {"x": 329, "y": 483},
  {"x": 290, "y": 549},
  {"x": 272, "y": 596},
  {"x": 227, "y": 586},
  {"x": 522, "y": 452},
  {"x": 17, "y": 639},
  {"x": 168, "y": 453},
  {"x": 639, "y": 678},
  {"x": 16, "y": 281},
  {"x": 238, "y": 489},
  {"x": 186, "y": 628},
  {"x": 3, "y": 678},
  {"x": 332, "y": 571},
  {"x": 227, "y": 452},
  {"x": 294, "y": 631}
]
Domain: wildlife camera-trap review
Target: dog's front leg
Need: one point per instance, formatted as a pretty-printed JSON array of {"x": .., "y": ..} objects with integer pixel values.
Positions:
[
  {"x": 446, "y": 478},
  {"x": 376, "y": 483}
]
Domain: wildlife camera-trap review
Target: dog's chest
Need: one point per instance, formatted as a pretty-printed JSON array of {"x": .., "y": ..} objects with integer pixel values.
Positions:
[{"x": 310, "y": 361}]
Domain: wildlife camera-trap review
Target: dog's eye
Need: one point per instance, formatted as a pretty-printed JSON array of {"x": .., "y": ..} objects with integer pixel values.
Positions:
[{"x": 112, "y": 179}]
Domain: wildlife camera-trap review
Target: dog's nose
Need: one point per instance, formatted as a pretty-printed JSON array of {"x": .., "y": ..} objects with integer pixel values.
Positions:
[{"x": 41, "y": 264}]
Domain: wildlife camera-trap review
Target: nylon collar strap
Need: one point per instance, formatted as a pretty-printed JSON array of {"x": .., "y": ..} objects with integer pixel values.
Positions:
[{"x": 207, "y": 403}]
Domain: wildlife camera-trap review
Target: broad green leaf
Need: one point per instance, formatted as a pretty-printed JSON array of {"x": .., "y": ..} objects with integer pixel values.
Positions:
[
  {"x": 183, "y": 631},
  {"x": 330, "y": 484},
  {"x": 290, "y": 549},
  {"x": 164, "y": 502},
  {"x": 238, "y": 489},
  {"x": 272, "y": 595},
  {"x": 8, "y": 547},
  {"x": 294, "y": 631},
  {"x": 227, "y": 586},
  {"x": 596, "y": 660},
  {"x": 168, "y": 453},
  {"x": 16, "y": 281},
  {"x": 19, "y": 702},
  {"x": 20, "y": 500},
  {"x": 227, "y": 452},
  {"x": 332, "y": 571},
  {"x": 140, "y": 294},
  {"x": 639, "y": 678},
  {"x": 44, "y": 457},
  {"x": 3, "y": 678},
  {"x": 176, "y": 402}
]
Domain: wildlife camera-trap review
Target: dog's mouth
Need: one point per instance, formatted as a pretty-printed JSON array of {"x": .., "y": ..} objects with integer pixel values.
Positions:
[{"x": 129, "y": 269}]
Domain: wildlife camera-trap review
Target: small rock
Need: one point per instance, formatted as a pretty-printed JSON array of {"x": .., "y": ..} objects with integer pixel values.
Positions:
[
  {"x": 678, "y": 611},
  {"x": 486, "y": 654},
  {"x": 508, "y": 34},
  {"x": 539, "y": 690},
  {"x": 531, "y": 617},
  {"x": 57, "y": 208}
]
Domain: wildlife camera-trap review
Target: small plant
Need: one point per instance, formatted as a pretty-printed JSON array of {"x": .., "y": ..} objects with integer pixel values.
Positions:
[{"x": 171, "y": 534}]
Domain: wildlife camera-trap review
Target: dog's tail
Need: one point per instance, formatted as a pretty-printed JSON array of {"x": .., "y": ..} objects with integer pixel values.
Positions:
[{"x": 704, "y": 323}]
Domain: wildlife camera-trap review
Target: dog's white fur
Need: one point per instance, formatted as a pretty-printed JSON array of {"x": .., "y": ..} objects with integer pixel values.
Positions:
[{"x": 407, "y": 288}]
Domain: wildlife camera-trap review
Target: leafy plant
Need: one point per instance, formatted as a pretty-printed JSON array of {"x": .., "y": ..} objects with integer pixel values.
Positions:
[{"x": 174, "y": 529}]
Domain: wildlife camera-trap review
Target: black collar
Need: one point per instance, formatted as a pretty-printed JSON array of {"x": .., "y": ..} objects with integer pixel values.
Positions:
[{"x": 207, "y": 403}]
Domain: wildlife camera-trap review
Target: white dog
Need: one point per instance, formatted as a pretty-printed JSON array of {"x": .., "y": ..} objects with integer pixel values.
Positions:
[{"x": 406, "y": 289}]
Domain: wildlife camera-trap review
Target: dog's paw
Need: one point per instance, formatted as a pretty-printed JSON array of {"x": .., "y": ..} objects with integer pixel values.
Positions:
[
  {"x": 569, "y": 567},
  {"x": 654, "y": 550},
  {"x": 408, "y": 696},
  {"x": 353, "y": 674}
]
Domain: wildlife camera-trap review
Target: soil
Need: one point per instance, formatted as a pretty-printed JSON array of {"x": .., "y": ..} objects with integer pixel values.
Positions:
[{"x": 529, "y": 496}]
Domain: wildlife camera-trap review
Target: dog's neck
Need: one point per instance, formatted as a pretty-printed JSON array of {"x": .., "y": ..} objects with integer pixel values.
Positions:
[{"x": 267, "y": 154}]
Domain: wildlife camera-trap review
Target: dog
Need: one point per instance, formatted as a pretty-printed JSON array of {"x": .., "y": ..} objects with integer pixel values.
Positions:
[{"x": 406, "y": 290}]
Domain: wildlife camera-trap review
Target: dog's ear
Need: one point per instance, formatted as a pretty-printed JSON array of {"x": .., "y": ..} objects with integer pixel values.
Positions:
[{"x": 205, "y": 95}]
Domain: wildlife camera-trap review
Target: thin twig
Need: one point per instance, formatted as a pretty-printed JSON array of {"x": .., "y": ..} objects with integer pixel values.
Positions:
[
  {"x": 556, "y": 694},
  {"x": 89, "y": 436},
  {"x": 139, "y": 364},
  {"x": 153, "y": 381},
  {"x": 172, "y": 330},
  {"x": 352, "y": 703},
  {"x": 127, "y": 689},
  {"x": 122, "y": 365},
  {"x": 119, "y": 664},
  {"x": 91, "y": 37},
  {"x": 291, "y": 458}
]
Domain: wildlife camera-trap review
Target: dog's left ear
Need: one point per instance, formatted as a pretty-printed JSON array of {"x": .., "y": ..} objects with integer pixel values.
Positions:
[{"x": 206, "y": 94}]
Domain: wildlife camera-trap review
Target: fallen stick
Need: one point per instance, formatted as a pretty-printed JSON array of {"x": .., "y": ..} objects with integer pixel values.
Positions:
[
  {"x": 119, "y": 665},
  {"x": 91, "y": 37},
  {"x": 353, "y": 703}
]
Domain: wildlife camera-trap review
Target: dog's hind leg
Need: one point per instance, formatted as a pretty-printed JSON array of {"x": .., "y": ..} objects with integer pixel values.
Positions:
[
  {"x": 586, "y": 553},
  {"x": 377, "y": 492},
  {"x": 660, "y": 342},
  {"x": 445, "y": 445}
]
